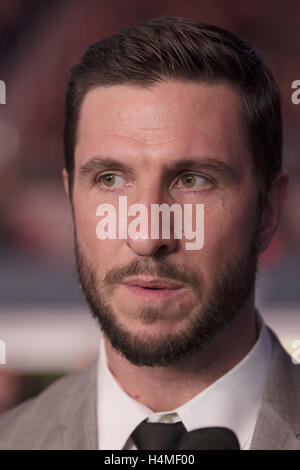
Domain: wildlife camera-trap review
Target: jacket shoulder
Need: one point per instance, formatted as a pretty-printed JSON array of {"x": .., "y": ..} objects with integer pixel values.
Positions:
[
  {"x": 36, "y": 423},
  {"x": 278, "y": 422}
]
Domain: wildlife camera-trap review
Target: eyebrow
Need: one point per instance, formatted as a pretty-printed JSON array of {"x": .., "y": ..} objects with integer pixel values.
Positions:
[{"x": 205, "y": 162}]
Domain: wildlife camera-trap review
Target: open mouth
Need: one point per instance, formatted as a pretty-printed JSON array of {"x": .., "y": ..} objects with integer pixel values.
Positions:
[
  {"x": 151, "y": 293},
  {"x": 154, "y": 288}
]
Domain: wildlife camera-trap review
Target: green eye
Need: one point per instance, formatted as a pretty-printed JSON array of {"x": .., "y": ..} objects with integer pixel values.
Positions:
[
  {"x": 108, "y": 180},
  {"x": 189, "y": 181},
  {"x": 193, "y": 181}
]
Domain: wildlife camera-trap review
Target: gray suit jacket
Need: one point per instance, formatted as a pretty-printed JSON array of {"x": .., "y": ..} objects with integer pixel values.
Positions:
[{"x": 64, "y": 415}]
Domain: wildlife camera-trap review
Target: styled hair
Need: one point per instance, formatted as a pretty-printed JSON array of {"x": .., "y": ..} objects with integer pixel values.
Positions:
[{"x": 186, "y": 50}]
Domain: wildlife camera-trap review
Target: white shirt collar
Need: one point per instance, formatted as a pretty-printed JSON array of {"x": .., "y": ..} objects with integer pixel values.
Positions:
[{"x": 232, "y": 401}]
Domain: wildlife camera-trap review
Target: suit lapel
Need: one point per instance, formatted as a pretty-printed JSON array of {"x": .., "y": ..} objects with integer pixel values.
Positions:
[
  {"x": 278, "y": 421},
  {"x": 272, "y": 432},
  {"x": 79, "y": 419},
  {"x": 277, "y": 425}
]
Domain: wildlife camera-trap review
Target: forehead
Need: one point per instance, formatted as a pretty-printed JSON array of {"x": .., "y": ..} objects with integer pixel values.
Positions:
[{"x": 167, "y": 118}]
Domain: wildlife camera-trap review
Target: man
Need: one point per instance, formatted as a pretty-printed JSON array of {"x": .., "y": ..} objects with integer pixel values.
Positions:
[{"x": 171, "y": 111}]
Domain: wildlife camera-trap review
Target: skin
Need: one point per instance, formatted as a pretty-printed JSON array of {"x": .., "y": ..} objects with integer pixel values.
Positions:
[{"x": 146, "y": 129}]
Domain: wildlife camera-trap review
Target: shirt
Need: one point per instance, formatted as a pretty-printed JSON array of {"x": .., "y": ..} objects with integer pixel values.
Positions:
[{"x": 232, "y": 401}]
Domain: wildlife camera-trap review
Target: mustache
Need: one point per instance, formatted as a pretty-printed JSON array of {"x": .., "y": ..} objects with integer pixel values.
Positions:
[
  {"x": 141, "y": 266},
  {"x": 164, "y": 269}
]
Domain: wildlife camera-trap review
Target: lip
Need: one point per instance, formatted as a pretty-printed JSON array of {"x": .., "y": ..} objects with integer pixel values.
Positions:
[
  {"x": 161, "y": 288},
  {"x": 153, "y": 284}
]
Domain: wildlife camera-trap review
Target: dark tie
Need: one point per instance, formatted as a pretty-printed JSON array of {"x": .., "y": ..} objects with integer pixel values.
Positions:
[{"x": 158, "y": 436}]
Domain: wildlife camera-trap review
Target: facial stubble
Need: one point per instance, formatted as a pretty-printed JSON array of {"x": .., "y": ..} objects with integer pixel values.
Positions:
[{"x": 215, "y": 309}]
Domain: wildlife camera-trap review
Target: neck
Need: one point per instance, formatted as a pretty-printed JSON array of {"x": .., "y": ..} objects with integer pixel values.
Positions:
[{"x": 166, "y": 388}]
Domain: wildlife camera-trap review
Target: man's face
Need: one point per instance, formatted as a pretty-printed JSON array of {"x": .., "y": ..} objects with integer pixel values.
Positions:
[{"x": 146, "y": 132}]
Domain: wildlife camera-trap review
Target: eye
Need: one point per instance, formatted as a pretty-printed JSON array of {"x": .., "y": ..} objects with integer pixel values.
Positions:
[
  {"x": 191, "y": 181},
  {"x": 110, "y": 180}
]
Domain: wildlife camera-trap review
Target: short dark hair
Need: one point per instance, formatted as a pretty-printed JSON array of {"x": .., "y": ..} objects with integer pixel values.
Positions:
[{"x": 187, "y": 50}]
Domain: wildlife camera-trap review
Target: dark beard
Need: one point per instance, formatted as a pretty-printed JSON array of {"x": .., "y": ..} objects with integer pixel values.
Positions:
[{"x": 232, "y": 287}]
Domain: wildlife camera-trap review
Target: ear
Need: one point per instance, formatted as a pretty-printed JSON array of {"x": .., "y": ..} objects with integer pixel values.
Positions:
[
  {"x": 65, "y": 176},
  {"x": 272, "y": 210}
]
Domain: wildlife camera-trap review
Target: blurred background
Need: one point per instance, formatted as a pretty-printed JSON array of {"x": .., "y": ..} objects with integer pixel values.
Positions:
[{"x": 44, "y": 320}]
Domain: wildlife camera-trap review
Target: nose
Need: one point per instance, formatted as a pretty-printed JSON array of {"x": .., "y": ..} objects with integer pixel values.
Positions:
[{"x": 155, "y": 240}]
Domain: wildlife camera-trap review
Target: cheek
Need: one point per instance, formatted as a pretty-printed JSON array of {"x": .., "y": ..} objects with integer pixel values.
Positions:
[
  {"x": 86, "y": 222},
  {"x": 227, "y": 233},
  {"x": 99, "y": 252}
]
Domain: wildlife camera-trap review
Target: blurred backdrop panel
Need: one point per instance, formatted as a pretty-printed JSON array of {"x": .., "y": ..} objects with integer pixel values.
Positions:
[{"x": 44, "y": 320}]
